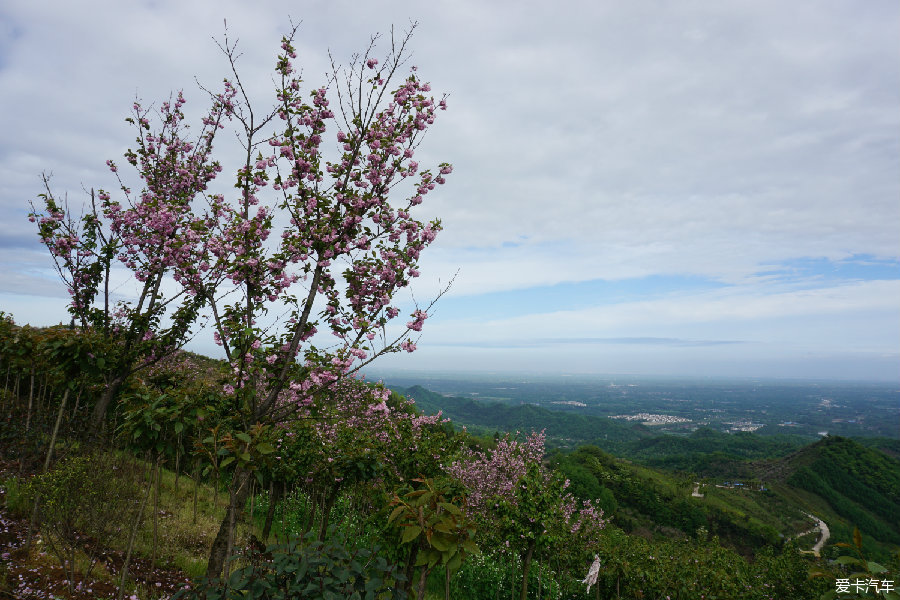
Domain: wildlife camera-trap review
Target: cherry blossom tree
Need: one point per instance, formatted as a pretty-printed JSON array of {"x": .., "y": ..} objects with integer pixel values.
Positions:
[
  {"x": 153, "y": 234},
  {"x": 318, "y": 237},
  {"x": 316, "y": 240},
  {"x": 525, "y": 503}
]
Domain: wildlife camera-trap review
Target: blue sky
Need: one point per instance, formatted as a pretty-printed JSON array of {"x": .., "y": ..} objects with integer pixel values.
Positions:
[{"x": 703, "y": 188}]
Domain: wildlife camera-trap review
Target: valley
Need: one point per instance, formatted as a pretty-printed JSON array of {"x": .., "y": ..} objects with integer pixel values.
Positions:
[{"x": 753, "y": 463}]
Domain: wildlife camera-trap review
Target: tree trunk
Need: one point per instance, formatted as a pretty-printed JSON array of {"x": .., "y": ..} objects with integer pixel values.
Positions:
[
  {"x": 411, "y": 568},
  {"x": 109, "y": 394},
  {"x": 30, "y": 400},
  {"x": 275, "y": 491},
  {"x": 177, "y": 462},
  {"x": 526, "y": 567},
  {"x": 134, "y": 528},
  {"x": 326, "y": 511},
  {"x": 45, "y": 395},
  {"x": 77, "y": 402},
  {"x": 62, "y": 407},
  {"x": 239, "y": 490},
  {"x": 252, "y": 502},
  {"x": 40, "y": 394},
  {"x": 311, "y": 517},
  {"x": 155, "y": 508},
  {"x": 196, "y": 491},
  {"x": 37, "y": 500},
  {"x": 423, "y": 579}
]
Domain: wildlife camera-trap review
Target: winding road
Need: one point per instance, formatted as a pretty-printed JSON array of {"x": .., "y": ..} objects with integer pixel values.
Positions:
[{"x": 821, "y": 527}]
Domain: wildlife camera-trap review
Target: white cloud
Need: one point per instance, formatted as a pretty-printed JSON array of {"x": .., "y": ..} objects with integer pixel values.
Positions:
[
  {"x": 590, "y": 140},
  {"x": 806, "y": 317}
]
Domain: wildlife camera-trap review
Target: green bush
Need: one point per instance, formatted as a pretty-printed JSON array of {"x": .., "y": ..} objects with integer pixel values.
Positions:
[
  {"x": 310, "y": 569},
  {"x": 84, "y": 504},
  {"x": 492, "y": 576}
]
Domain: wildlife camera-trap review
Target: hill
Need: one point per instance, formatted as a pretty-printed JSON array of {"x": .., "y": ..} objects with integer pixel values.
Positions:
[{"x": 846, "y": 484}]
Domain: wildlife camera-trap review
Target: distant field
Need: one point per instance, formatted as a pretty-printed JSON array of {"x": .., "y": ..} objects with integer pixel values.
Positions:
[{"x": 805, "y": 408}]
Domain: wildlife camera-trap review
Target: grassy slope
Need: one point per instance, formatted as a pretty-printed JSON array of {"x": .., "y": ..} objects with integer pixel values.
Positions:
[{"x": 182, "y": 544}]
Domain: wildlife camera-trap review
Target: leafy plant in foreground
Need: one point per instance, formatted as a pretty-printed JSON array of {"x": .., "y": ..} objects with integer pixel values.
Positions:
[
  {"x": 306, "y": 569},
  {"x": 437, "y": 529}
]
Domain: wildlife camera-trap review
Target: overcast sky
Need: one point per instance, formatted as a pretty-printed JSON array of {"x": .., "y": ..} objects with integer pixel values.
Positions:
[{"x": 673, "y": 188}]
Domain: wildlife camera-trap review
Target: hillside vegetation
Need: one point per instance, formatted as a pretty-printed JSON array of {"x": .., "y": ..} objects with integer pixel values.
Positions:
[
  {"x": 367, "y": 496},
  {"x": 781, "y": 478}
]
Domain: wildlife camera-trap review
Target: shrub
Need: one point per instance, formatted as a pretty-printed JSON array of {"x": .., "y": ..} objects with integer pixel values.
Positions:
[
  {"x": 83, "y": 505},
  {"x": 312, "y": 569}
]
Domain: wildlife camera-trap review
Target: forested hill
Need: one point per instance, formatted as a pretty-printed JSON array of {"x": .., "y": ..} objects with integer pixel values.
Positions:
[
  {"x": 858, "y": 485},
  {"x": 564, "y": 429}
]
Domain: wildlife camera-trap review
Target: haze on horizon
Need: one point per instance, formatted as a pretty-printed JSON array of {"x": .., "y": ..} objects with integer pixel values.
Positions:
[{"x": 689, "y": 189}]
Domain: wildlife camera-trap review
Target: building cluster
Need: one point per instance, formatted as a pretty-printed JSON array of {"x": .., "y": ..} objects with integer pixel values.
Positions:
[
  {"x": 744, "y": 426},
  {"x": 652, "y": 419}
]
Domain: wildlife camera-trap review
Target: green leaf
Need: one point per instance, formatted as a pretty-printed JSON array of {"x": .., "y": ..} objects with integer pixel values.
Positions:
[
  {"x": 243, "y": 437},
  {"x": 265, "y": 448},
  {"x": 443, "y": 527},
  {"x": 179, "y": 427},
  {"x": 439, "y": 543},
  {"x": 410, "y": 533},
  {"x": 226, "y": 461},
  {"x": 455, "y": 563},
  {"x": 451, "y": 508},
  {"x": 395, "y": 513},
  {"x": 874, "y": 567}
]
